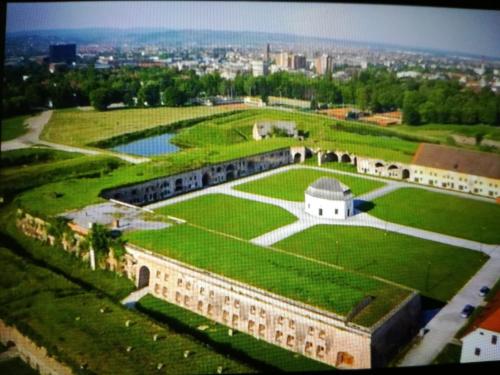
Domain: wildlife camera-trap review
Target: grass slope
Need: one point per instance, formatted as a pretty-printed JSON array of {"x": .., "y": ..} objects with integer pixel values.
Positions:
[
  {"x": 436, "y": 270},
  {"x": 439, "y": 212},
  {"x": 299, "y": 279},
  {"x": 290, "y": 185},
  {"x": 13, "y": 127},
  {"x": 25, "y": 177},
  {"x": 79, "y": 128},
  {"x": 31, "y": 156},
  {"x": 230, "y": 215},
  {"x": 216, "y": 334},
  {"x": 67, "y": 321}
]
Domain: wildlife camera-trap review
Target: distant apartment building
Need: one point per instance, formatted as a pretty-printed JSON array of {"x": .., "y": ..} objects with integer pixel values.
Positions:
[
  {"x": 260, "y": 68},
  {"x": 323, "y": 64},
  {"x": 282, "y": 59},
  {"x": 299, "y": 62},
  {"x": 62, "y": 53}
]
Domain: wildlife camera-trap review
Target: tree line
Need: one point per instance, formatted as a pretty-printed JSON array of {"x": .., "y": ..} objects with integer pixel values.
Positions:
[{"x": 375, "y": 89}]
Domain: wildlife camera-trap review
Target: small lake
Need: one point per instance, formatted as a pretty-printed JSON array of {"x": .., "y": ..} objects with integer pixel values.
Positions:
[{"x": 156, "y": 145}]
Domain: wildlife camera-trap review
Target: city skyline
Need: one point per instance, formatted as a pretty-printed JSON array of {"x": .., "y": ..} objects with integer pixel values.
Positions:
[{"x": 460, "y": 30}]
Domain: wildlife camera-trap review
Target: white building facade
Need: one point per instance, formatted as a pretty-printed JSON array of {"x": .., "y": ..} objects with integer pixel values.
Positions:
[
  {"x": 482, "y": 344},
  {"x": 329, "y": 199}
]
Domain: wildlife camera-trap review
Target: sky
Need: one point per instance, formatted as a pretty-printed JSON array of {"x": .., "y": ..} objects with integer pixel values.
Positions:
[{"x": 462, "y": 30}]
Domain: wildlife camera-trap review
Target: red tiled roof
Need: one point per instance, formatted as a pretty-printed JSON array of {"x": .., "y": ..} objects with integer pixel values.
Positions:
[
  {"x": 492, "y": 322},
  {"x": 458, "y": 160}
]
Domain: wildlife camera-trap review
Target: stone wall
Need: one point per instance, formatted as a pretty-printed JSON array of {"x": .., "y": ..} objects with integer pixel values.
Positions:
[
  {"x": 169, "y": 186},
  {"x": 71, "y": 241},
  {"x": 394, "y": 331},
  {"x": 292, "y": 325},
  {"x": 34, "y": 355}
]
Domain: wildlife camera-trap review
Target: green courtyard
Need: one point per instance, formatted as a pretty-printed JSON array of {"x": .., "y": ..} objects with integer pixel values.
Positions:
[
  {"x": 300, "y": 279},
  {"x": 235, "y": 216},
  {"x": 439, "y": 212},
  {"x": 290, "y": 185},
  {"x": 436, "y": 270}
]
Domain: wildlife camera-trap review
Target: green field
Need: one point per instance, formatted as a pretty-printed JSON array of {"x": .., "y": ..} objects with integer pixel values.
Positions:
[
  {"x": 290, "y": 185},
  {"x": 34, "y": 155},
  {"x": 233, "y": 128},
  {"x": 441, "y": 132},
  {"x": 313, "y": 283},
  {"x": 13, "y": 127},
  {"x": 438, "y": 212},
  {"x": 67, "y": 320},
  {"x": 270, "y": 356},
  {"x": 230, "y": 215},
  {"x": 436, "y": 270},
  {"x": 79, "y": 128},
  {"x": 320, "y": 131}
]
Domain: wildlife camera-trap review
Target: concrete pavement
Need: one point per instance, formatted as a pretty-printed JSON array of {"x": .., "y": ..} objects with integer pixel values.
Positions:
[{"x": 134, "y": 297}]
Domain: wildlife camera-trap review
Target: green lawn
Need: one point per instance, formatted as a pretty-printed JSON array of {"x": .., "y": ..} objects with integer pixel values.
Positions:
[
  {"x": 290, "y": 185},
  {"x": 67, "y": 320},
  {"x": 79, "y": 128},
  {"x": 315, "y": 284},
  {"x": 436, "y": 270},
  {"x": 13, "y": 127},
  {"x": 16, "y": 366},
  {"x": 443, "y": 213},
  {"x": 230, "y": 215},
  {"x": 449, "y": 355},
  {"x": 270, "y": 356},
  {"x": 232, "y": 128}
]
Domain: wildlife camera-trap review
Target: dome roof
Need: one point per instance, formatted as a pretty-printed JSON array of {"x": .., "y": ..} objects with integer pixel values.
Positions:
[{"x": 329, "y": 188}]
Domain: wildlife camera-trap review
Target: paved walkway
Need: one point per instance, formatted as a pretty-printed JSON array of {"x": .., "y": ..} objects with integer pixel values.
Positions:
[
  {"x": 32, "y": 138},
  {"x": 134, "y": 297}
]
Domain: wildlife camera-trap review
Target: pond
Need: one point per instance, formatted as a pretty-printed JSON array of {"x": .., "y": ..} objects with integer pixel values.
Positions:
[{"x": 155, "y": 145}]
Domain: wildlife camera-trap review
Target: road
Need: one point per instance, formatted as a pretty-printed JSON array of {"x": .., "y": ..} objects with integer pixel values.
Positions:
[{"x": 32, "y": 138}]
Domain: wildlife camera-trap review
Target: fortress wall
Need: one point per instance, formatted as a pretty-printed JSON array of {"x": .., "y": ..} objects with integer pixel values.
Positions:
[
  {"x": 290, "y": 324},
  {"x": 34, "y": 355},
  {"x": 169, "y": 186}
]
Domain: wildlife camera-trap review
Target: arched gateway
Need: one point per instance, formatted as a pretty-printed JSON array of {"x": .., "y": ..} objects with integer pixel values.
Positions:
[{"x": 143, "y": 277}]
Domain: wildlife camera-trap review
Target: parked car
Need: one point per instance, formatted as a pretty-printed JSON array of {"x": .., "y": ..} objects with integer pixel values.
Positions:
[
  {"x": 467, "y": 311},
  {"x": 484, "y": 291}
]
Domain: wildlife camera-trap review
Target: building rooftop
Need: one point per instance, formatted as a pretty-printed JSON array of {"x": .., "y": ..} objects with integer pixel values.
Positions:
[
  {"x": 492, "y": 322},
  {"x": 458, "y": 160},
  {"x": 265, "y": 127},
  {"x": 329, "y": 188}
]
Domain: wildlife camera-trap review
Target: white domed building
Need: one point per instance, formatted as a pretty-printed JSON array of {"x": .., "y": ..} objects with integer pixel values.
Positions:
[{"x": 329, "y": 199}]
